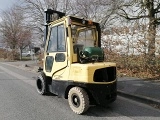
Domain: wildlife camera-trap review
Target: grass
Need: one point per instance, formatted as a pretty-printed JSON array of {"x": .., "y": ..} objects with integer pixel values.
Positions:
[{"x": 25, "y": 58}]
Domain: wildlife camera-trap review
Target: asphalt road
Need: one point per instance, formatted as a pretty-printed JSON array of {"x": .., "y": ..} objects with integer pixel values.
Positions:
[{"x": 19, "y": 100}]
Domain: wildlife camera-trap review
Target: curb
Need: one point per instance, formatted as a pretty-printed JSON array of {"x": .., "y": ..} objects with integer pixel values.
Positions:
[{"x": 139, "y": 98}]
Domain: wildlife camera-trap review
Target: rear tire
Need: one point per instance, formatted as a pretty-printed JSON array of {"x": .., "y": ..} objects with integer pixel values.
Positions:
[
  {"x": 78, "y": 100},
  {"x": 41, "y": 84}
]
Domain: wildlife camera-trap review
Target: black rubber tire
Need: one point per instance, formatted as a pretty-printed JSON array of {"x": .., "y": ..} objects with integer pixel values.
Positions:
[
  {"x": 41, "y": 84},
  {"x": 78, "y": 100}
]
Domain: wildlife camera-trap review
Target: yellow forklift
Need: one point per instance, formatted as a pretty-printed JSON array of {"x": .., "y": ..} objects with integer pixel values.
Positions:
[{"x": 74, "y": 65}]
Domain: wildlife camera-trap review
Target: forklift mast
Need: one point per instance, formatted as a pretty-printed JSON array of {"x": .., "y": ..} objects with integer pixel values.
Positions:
[{"x": 50, "y": 16}]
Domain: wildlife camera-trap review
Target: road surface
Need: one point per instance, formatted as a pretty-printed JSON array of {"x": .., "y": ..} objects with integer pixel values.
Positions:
[{"x": 19, "y": 100}]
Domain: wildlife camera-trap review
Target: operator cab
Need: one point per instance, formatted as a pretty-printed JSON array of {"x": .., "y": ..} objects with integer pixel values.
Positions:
[{"x": 83, "y": 38}]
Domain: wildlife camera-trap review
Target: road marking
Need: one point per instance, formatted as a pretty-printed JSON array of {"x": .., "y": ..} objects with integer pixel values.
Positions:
[{"x": 23, "y": 78}]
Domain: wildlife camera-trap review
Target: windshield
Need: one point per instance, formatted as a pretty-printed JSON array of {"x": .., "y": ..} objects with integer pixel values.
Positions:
[{"x": 83, "y": 36}]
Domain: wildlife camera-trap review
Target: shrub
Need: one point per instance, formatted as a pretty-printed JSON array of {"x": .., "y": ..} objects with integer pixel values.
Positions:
[{"x": 134, "y": 65}]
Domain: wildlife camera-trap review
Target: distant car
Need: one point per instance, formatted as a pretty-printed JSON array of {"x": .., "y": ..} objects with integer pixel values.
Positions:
[{"x": 27, "y": 54}]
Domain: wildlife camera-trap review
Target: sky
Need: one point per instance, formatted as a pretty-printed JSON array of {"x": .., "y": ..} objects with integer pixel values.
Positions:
[{"x": 5, "y": 4}]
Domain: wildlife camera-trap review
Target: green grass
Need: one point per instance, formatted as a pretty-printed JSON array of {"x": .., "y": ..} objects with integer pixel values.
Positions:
[{"x": 26, "y": 58}]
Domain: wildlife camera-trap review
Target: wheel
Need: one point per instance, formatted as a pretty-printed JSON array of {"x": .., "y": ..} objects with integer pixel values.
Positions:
[
  {"x": 41, "y": 84},
  {"x": 78, "y": 100}
]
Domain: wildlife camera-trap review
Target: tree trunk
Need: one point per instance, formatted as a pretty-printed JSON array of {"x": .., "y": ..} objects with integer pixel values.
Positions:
[
  {"x": 151, "y": 42},
  {"x": 20, "y": 54}
]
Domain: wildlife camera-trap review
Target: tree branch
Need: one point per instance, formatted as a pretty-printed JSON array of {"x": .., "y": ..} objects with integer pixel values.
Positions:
[
  {"x": 157, "y": 9},
  {"x": 125, "y": 15}
]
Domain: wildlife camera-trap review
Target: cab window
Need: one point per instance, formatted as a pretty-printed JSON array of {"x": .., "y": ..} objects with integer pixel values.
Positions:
[{"x": 57, "y": 39}]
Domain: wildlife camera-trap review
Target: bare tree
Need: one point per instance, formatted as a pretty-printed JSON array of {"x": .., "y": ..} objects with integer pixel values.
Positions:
[
  {"x": 140, "y": 10},
  {"x": 34, "y": 10},
  {"x": 97, "y": 10},
  {"x": 14, "y": 31}
]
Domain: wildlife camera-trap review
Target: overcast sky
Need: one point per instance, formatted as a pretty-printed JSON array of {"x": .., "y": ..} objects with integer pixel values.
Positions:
[{"x": 5, "y": 4}]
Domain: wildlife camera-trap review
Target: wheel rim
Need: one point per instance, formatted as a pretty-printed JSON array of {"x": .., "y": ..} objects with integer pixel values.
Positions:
[{"x": 75, "y": 100}]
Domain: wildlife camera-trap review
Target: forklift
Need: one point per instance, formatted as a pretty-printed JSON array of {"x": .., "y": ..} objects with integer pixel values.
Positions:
[{"x": 74, "y": 64}]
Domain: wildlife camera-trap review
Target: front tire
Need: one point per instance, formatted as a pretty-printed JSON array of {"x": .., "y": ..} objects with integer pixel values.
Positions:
[
  {"x": 41, "y": 84},
  {"x": 78, "y": 100}
]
